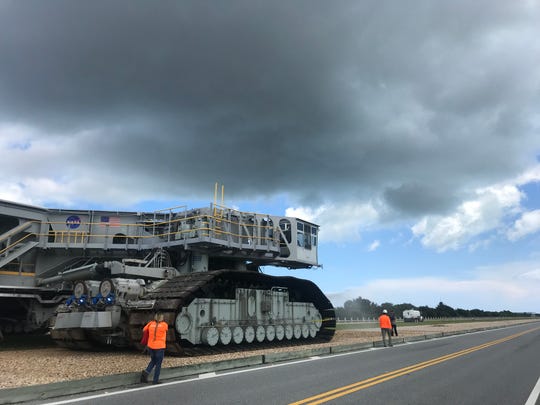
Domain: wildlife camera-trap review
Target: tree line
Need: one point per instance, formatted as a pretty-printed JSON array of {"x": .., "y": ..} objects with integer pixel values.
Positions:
[{"x": 362, "y": 308}]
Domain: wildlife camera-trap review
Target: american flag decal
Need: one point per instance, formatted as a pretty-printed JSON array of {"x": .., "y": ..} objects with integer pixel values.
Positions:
[{"x": 110, "y": 221}]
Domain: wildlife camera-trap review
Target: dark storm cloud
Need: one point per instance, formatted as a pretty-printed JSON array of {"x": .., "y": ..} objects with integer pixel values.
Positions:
[
  {"x": 414, "y": 199},
  {"x": 328, "y": 100}
]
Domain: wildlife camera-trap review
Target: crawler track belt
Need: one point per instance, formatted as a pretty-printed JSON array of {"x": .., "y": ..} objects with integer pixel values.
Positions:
[{"x": 180, "y": 291}]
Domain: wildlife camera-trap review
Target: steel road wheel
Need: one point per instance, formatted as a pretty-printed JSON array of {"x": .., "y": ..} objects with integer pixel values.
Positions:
[
  {"x": 260, "y": 333},
  {"x": 280, "y": 332},
  {"x": 270, "y": 332},
  {"x": 249, "y": 334},
  {"x": 237, "y": 335},
  {"x": 225, "y": 335}
]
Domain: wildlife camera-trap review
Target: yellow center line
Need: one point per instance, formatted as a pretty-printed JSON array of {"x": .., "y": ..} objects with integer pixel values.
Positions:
[{"x": 349, "y": 389}]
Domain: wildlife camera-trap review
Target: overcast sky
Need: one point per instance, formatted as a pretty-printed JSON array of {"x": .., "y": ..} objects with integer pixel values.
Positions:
[{"x": 406, "y": 124}]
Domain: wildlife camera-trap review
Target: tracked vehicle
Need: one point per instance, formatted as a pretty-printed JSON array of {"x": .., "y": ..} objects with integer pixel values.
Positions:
[{"x": 96, "y": 277}]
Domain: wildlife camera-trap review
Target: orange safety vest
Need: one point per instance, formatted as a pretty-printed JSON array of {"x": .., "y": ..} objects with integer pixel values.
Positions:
[
  {"x": 384, "y": 322},
  {"x": 157, "y": 334}
]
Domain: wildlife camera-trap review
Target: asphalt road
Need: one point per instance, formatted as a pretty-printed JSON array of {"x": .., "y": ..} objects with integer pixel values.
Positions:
[{"x": 494, "y": 367}]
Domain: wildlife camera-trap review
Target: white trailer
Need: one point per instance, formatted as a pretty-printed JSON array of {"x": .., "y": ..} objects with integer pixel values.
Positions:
[{"x": 412, "y": 315}]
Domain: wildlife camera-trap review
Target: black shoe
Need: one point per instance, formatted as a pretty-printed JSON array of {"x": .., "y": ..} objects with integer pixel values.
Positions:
[
  {"x": 144, "y": 376},
  {"x": 156, "y": 382}
]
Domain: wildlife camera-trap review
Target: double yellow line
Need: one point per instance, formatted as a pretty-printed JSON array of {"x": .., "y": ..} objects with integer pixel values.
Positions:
[{"x": 360, "y": 385}]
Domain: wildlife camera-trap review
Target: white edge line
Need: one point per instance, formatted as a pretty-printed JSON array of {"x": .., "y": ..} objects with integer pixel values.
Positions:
[{"x": 534, "y": 394}]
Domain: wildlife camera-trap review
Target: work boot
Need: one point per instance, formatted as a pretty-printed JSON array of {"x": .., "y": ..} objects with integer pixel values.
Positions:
[{"x": 144, "y": 376}]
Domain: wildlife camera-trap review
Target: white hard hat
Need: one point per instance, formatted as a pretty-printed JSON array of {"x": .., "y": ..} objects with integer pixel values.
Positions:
[{"x": 384, "y": 311}]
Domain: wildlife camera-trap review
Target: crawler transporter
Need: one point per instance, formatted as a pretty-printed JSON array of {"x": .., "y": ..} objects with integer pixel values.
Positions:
[{"x": 94, "y": 278}]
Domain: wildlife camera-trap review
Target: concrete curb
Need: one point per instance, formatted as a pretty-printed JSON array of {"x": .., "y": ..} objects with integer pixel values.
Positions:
[
  {"x": 301, "y": 354},
  {"x": 60, "y": 389},
  {"x": 351, "y": 347},
  {"x": 434, "y": 335}
]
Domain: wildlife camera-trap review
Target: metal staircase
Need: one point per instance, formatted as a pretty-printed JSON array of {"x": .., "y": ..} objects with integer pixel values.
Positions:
[
  {"x": 9, "y": 251},
  {"x": 15, "y": 252}
]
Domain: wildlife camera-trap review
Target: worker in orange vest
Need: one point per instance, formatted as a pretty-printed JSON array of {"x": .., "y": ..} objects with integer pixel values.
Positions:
[
  {"x": 157, "y": 337},
  {"x": 386, "y": 327}
]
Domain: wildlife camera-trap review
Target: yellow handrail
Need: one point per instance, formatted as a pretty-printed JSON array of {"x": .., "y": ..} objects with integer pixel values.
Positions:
[
  {"x": 15, "y": 243},
  {"x": 203, "y": 226}
]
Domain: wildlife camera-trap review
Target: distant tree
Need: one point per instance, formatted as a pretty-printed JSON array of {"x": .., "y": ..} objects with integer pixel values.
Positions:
[
  {"x": 386, "y": 305},
  {"x": 362, "y": 308},
  {"x": 340, "y": 313},
  {"x": 427, "y": 312},
  {"x": 352, "y": 309},
  {"x": 477, "y": 313},
  {"x": 359, "y": 308},
  {"x": 444, "y": 311},
  {"x": 462, "y": 313}
]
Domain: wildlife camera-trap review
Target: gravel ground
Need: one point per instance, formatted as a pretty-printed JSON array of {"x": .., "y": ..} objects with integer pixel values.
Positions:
[{"x": 47, "y": 365}]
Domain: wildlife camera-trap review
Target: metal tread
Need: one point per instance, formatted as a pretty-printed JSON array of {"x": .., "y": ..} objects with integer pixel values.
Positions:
[{"x": 180, "y": 291}]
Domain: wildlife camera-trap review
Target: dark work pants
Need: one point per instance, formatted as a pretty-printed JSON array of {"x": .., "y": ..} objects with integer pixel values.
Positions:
[
  {"x": 394, "y": 330},
  {"x": 156, "y": 358},
  {"x": 386, "y": 333}
]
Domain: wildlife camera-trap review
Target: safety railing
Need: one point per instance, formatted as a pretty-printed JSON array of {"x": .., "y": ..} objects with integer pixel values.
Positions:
[
  {"x": 14, "y": 231},
  {"x": 219, "y": 227},
  {"x": 176, "y": 225},
  {"x": 14, "y": 245},
  {"x": 69, "y": 236}
]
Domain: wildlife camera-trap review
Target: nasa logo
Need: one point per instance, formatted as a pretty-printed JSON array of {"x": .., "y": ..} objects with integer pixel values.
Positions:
[{"x": 73, "y": 222}]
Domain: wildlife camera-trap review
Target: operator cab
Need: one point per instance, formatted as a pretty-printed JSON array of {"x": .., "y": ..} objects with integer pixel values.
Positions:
[{"x": 300, "y": 248}]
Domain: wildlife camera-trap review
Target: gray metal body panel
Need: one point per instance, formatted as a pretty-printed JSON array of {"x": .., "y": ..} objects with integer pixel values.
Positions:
[{"x": 50, "y": 249}]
